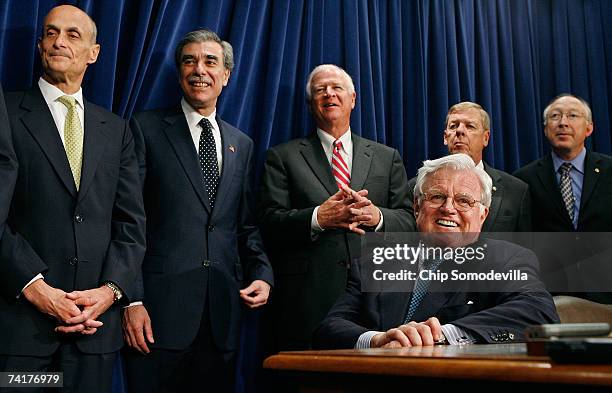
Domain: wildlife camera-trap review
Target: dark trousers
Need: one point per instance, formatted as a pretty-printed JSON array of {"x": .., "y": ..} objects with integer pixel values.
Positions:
[
  {"x": 83, "y": 372},
  {"x": 200, "y": 367}
]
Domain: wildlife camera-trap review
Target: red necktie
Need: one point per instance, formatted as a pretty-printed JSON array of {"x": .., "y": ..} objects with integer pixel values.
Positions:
[{"x": 339, "y": 167}]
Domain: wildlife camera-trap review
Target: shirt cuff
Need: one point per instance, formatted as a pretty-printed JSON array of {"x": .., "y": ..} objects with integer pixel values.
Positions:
[
  {"x": 457, "y": 336},
  {"x": 133, "y": 304},
  {"x": 37, "y": 277},
  {"x": 315, "y": 228},
  {"x": 380, "y": 223},
  {"x": 363, "y": 341}
]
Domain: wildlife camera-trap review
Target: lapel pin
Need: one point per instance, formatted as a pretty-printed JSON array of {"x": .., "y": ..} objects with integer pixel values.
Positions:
[
  {"x": 494, "y": 188},
  {"x": 596, "y": 170},
  {"x": 232, "y": 148}
]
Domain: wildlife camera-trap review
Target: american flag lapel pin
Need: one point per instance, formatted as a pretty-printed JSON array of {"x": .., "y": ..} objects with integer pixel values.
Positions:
[{"x": 232, "y": 148}]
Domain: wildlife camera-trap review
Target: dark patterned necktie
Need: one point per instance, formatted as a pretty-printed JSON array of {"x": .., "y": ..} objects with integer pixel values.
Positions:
[
  {"x": 420, "y": 289},
  {"x": 565, "y": 183},
  {"x": 207, "y": 154}
]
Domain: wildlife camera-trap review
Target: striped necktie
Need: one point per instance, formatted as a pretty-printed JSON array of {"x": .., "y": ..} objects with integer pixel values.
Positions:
[{"x": 339, "y": 167}]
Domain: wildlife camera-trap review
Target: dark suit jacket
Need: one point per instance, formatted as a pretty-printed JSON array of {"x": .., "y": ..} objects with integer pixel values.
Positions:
[
  {"x": 195, "y": 254},
  {"x": 499, "y": 315},
  {"x": 549, "y": 213},
  {"x": 77, "y": 240},
  {"x": 565, "y": 268},
  {"x": 311, "y": 273},
  {"x": 510, "y": 209}
]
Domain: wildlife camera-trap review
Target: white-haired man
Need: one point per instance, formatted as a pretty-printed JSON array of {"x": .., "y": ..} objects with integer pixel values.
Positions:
[
  {"x": 453, "y": 198},
  {"x": 310, "y": 217}
]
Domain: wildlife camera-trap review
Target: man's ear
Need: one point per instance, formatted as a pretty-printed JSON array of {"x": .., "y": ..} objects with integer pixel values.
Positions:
[{"x": 226, "y": 76}]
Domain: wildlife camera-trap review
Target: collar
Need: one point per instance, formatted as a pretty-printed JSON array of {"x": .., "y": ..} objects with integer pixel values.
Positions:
[
  {"x": 52, "y": 93},
  {"x": 193, "y": 117},
  {"x": 577, "y": 162},
  {"x": 328, "y": 140}
]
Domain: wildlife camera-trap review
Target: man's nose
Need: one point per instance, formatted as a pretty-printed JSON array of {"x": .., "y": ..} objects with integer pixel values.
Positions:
[
  {"x": 461, "y": 130},
  {"x": 329, "y": 91},
  {"x": 60, "y": 40},
  {"x": 449, "y": 205}
]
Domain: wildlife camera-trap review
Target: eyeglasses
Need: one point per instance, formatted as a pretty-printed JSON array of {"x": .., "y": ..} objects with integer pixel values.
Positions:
[
  {"x": 462, "y": 202},
  {"x": 557, "y": 116}
]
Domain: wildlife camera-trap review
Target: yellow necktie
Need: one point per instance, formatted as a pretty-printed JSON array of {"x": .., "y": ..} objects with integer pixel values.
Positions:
[{"x": 73, "y": 138}]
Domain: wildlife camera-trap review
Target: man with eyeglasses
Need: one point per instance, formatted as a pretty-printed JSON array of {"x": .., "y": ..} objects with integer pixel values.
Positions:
[
  {"x": 468, "y": 131},
  {"x": 571, "y": 187},
  {"x": 453, "y": 196}
]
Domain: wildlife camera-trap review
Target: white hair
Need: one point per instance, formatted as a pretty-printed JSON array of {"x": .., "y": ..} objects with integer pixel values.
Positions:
[{"x": 458, "y": 162}]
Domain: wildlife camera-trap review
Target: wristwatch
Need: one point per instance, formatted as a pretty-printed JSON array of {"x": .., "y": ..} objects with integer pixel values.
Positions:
[{"x": 116, "y": 291}]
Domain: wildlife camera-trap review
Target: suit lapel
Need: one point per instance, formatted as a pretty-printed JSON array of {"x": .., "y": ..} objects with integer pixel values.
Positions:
[
  {"x": 94, "y": 143},
  {"x": 362, "y": 159},
  {"x": 496, "y": 198},
  {"x": 229, "y": 151},
  {"x": 313, "y": 153},
  {"x": 546, "y": 174},
  {"x": 180, "y": 139},
  {"x": 41, "y": 126},
  {"x": 393, "y": 307},
  {"x": 592, "y": 171}
]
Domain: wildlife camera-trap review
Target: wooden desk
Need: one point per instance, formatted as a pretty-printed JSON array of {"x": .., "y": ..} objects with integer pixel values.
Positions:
[{"x": 496, "y": 368}]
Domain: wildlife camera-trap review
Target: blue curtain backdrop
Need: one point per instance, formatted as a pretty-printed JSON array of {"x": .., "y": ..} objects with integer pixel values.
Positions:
[{"x": 410, "y": 61}]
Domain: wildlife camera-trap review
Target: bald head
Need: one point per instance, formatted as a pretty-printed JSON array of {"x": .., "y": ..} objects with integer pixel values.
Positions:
[{"x": 81, "y": 20}]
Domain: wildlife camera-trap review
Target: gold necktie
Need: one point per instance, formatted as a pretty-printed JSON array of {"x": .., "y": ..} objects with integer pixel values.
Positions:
[{"x": 73, "y": 138}]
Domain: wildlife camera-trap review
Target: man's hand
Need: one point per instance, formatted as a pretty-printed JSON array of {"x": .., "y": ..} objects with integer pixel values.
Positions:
[
  {"x": 368, "y": 215},
  {"x": 94, "y": 302},
  {"x": 256, "y": 294},
  {"x": 137, "y": 326},
  {"x": 412, "y": 334},
  {"x": 51, "y": 301},
  {"x": 335, "y": 212}
]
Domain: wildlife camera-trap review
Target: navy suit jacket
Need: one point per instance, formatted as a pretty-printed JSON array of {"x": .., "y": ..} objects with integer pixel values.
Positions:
[
  {"x": 498, "y": 315},
  {"x": 194, "y": 253},
  {"x": 570, "y": 268},
  {"x": 77, "y": 240},
  {"x": 312, "y": 273},
  {"x": 549, "y": 213},
  {"x": 510, "y": 209}
]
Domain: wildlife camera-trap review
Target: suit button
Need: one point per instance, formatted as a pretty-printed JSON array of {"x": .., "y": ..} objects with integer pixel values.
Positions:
[
  {"x": 211, "y": 228},
  {"x": 73, "y": 261},
  {"x": 78, "y": 218},
  {"x": 206, "y": 263}
]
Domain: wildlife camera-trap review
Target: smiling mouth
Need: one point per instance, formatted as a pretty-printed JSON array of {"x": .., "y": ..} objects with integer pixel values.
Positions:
[
  {"x": 329, "y": 105},
  {"x": 447, "y": 223},
  {"x": 199, "y": 84}
]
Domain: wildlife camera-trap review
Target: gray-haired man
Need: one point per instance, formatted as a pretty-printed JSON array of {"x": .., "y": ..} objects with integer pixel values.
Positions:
[{"x": 204, "y": 254}]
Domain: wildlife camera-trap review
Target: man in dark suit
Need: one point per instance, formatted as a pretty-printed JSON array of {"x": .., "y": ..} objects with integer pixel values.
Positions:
[
  {"x": 453, "y": 198},
  {"x": 468, "y": 131},
  {"x": 203, "y": 245},
  {"x": 310, "y": 217},
  {"x": 74, "y": 236},
  {"x": 588, "y": 181}
]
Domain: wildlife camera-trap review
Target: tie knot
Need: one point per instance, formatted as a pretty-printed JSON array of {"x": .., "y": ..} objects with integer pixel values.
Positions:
[
  {"x": 68, "y": 101},
  {"x": 565, "y": 168},
  {"x": 206, "y": 125},
  {"x": 337, "y": 144}
]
